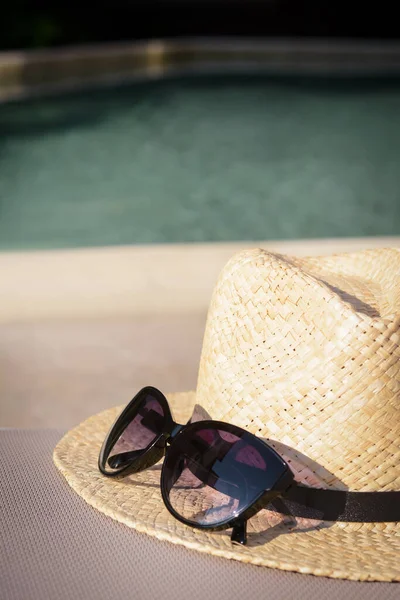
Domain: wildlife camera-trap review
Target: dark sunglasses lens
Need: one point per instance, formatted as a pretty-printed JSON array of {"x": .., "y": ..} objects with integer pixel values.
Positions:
[
  {"x": 146, "y": 425},
  {"x": 211, "y": 475}
]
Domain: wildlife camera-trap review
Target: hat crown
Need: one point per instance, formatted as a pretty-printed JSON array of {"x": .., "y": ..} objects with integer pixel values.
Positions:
[{"x": 305, "y": 353}]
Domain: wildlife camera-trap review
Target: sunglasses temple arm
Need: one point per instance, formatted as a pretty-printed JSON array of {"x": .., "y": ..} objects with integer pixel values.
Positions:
[{"x": 239, "y": 532}]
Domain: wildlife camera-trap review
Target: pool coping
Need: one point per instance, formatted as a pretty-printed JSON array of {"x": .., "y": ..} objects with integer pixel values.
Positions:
[
  {"x": 129, "y": 281},
  {"x": 25, "y": 74}
]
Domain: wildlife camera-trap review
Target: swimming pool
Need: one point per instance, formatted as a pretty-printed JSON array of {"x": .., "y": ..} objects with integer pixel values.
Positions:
[{"x": 201, "y": 159}]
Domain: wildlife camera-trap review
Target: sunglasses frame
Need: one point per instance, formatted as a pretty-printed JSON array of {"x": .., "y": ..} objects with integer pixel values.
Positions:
[{"x": 160, "y": 447}]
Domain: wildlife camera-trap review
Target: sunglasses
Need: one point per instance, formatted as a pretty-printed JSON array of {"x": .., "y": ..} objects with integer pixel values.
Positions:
[{"x": 214, "y": 476}]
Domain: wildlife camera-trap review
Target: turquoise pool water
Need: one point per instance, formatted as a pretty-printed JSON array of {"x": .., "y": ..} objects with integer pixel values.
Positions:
[{"x": 201, "y": 159}]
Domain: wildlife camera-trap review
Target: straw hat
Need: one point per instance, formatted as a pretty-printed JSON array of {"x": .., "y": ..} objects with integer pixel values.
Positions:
[{"x": 304, "y": 353}]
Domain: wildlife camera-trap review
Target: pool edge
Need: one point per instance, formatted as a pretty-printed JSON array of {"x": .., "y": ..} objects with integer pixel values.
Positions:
[{"x": 124, "y": 281}]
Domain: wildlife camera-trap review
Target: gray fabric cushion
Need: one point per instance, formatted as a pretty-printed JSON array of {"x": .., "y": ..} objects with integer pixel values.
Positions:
[{"x": 53, "y": 545}]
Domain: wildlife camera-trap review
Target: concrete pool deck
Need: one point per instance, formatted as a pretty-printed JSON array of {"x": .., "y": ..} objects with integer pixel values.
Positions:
[
  {"x": 81, "y": 330},
  {"x": 131, "y": 281},
  {"x": 28, "y": 73}
]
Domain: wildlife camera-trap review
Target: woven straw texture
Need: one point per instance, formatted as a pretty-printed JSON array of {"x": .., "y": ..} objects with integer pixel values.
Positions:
[
  {"x": 306, "y": 352},
  {"x": 302, "y": 352}
]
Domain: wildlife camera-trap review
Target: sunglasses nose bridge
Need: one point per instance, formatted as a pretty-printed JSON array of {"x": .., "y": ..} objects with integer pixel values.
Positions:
[{"x": 176, "y": 428}]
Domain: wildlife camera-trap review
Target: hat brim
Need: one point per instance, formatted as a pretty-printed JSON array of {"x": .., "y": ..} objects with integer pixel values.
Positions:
[{"x": 357, "y": 551}]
